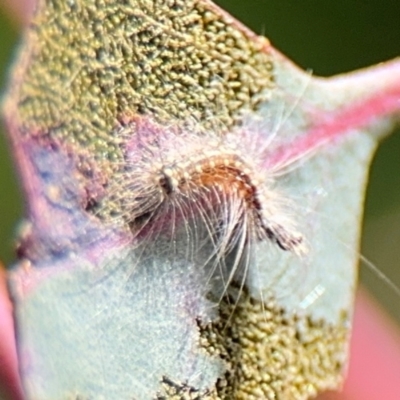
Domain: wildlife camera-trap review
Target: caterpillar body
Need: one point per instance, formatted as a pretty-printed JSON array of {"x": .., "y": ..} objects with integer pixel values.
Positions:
[{"x": 177, "y": 173}]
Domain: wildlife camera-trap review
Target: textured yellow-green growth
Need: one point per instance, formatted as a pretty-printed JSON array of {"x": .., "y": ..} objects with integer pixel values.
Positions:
[
  {"x": 95, "y": 62},
  {"x": 273, "y": 354},
  {"x": 269, "y": 354}
]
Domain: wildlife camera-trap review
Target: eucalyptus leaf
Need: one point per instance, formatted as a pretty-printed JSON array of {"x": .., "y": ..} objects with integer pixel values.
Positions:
[{"x": 235, "y": 281}]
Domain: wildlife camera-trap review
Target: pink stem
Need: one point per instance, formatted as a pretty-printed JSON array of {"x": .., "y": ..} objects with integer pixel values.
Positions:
[{"x": 383, "y": 102}]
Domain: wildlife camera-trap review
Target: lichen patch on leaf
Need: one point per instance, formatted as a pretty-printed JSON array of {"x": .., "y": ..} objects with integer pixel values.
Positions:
[
  {"x": 95, "y": 61},
  {"x": 272, "y": 354}
]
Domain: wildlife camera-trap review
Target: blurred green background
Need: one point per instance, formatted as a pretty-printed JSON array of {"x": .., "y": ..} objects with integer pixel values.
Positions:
[{"x": 328, "y": 37}]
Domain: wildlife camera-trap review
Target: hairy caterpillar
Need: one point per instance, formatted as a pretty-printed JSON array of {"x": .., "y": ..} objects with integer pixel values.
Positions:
[{"x": 211, "y": 185}]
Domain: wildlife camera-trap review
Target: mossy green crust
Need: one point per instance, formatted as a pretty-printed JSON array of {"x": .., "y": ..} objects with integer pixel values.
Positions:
[
  {"x": 95, "y": 62},
  {"x": 271, "y": 354}
]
